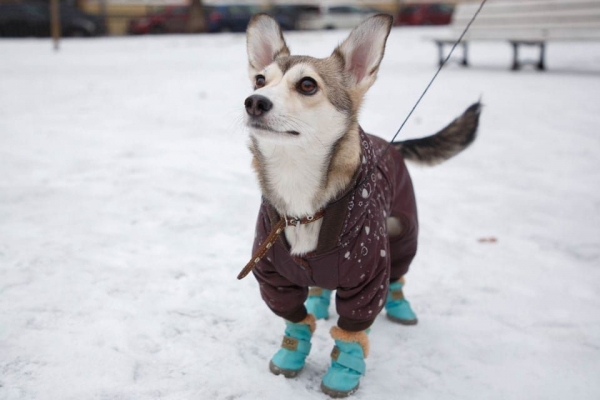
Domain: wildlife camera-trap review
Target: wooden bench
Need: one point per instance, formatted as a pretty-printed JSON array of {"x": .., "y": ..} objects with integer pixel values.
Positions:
[{"x": 524, "y": 23}]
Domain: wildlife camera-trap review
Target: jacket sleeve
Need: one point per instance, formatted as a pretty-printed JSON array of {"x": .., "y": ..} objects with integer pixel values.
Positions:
[{"x": 283, "y": 297}]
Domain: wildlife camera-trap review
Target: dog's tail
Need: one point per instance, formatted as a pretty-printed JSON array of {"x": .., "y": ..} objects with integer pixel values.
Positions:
[{"x": 447, "y": 143}]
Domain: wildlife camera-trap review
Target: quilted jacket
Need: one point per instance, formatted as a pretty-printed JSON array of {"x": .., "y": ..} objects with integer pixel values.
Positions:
[{"x": 354, "y": 255}]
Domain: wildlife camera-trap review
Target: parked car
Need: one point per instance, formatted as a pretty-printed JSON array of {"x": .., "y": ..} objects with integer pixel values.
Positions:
[
  {"x": 170, "y": 19},
  {"x": 227, "y": 18},
  {"x": 33, "y": 19},
  {"x": 425, "y": 14},
  {"x": 289, "y": 16},
  {"x": 336, "y": 17},
  {"x": 235, "y": 18}
]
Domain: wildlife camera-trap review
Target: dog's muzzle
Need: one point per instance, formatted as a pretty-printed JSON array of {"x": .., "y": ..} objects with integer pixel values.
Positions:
[{"x": 257, "y": 105}]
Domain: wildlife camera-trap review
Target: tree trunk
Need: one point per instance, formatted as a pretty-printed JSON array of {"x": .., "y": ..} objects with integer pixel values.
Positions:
[
  {"x": 197, "y": 22},
  {"x": 55, "y": 23}
]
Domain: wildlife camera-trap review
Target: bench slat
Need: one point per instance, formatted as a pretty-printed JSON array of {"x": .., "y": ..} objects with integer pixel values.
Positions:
[
  {"x": 539, "y": 16},
  {"x": 466, "y": 11},
  {"x": 542, "y": 19}
]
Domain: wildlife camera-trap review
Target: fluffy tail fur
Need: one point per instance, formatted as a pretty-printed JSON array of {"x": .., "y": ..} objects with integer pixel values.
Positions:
[{"x": 447, "y": 143}]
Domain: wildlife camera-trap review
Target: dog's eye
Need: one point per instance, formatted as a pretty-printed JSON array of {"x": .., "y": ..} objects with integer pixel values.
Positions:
[
  {"x": 307, "y": 86},
  {"x": 260, "y": 81}
]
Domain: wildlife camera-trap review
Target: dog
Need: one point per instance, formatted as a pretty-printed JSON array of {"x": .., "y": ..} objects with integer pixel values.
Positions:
[{"x": 338, "y": 209}]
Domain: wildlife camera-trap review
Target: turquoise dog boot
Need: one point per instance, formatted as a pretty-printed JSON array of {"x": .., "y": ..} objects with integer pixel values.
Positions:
[
  {"x": 317, "y": 303},
  {"x": 347, "y": 363},
  {"x": 290, "y": 358},
  {"x": 397, "y": 307}
]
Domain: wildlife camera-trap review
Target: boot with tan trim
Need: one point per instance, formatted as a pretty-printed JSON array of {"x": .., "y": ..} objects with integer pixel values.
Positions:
[
  {"x": 397, "y": 307},
  {"x": 291, "y": 357},
  {"x": 347, "y": 363}
]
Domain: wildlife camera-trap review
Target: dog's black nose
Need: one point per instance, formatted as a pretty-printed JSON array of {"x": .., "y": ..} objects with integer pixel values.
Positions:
[{"x": 257, "y": 105}]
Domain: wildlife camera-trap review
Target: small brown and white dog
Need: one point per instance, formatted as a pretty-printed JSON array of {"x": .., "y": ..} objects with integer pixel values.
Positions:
[{"x": 338, "y": 210}]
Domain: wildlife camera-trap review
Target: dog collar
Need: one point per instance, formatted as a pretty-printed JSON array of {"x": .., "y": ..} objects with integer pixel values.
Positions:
[{"x": 285, "y": 221}]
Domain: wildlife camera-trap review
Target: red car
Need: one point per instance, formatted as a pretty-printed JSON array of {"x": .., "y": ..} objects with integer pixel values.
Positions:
[
  {"x": 170, "y": 19},
  {"x": 425, "y": 14},
  {"x": 223, "y": 18}
]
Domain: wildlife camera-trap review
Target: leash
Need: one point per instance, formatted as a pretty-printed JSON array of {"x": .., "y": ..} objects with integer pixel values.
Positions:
[
  {"x": 290, "y": 221},
  {"x": 435, "y": 75},
  {"x": 420, "y": 97},
  {"x": 270, "y": 240}
]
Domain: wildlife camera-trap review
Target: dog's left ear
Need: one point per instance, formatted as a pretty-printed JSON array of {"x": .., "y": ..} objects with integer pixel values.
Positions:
[
  {"x": 363, "y": 49},
  {"x": 264, "y": 42}
]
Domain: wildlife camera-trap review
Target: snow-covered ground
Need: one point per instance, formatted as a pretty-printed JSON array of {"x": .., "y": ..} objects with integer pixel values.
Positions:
[{"x": 127, "y": 208}]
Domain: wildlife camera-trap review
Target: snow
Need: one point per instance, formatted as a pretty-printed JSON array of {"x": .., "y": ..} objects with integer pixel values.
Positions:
[{"x": 127, "y": 208}]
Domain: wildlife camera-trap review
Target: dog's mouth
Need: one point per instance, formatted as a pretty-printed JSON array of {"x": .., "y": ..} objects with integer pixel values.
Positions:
[{"x": 262, "y": 127}]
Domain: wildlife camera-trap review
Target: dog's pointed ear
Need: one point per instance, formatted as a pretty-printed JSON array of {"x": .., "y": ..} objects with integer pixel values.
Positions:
[
  {"x": 264, "y": 42},
  {"x": 363, "y": 49}
]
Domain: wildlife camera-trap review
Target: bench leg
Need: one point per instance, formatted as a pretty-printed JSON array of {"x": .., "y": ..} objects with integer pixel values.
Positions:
[
  {"x": 465, "y": 60},
  {"x": 515, "y": 65},
  {"x": 440, "y": 53},
  {"x": 442, "y": 57},
  {"x": 541, "y": 66}
]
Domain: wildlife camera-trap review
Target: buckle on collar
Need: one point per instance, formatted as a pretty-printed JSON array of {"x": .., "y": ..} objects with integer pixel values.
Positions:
[
  {"x": 292, "y": 221},
  {"x": 295, "y": 221}
]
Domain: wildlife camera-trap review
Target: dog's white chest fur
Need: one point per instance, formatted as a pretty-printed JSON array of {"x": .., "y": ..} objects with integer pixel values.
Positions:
[{"x": 295, "y": 176}]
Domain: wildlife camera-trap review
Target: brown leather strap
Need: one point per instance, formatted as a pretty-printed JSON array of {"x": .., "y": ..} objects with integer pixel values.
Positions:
[
  {"x": 263, "y": 248},
  {"x": 292, "y": 221},
  {"x": 270, "y": 240}
]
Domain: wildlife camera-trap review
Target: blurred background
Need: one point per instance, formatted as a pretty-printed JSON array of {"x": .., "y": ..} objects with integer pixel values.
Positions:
[{"x": 24, "y": 18}]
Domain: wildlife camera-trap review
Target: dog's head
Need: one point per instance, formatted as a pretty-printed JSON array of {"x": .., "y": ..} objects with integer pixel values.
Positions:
[{"x": 301, "y": 98}]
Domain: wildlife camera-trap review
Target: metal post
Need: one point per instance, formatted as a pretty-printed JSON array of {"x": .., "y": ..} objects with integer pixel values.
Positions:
[{"x": 55, "y": 23}]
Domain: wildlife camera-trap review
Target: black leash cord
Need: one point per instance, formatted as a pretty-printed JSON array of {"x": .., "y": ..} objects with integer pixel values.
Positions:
[
  {"x": 435, "y": 75},
  {"x": 418, "y": 100}
]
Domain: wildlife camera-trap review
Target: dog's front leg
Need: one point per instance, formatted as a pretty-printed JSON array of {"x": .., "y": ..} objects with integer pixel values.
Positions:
[
  {"x": 286, "y": 300},
  {"x": 347, "y": 362},
  {"x": 291, "y": 357}
]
